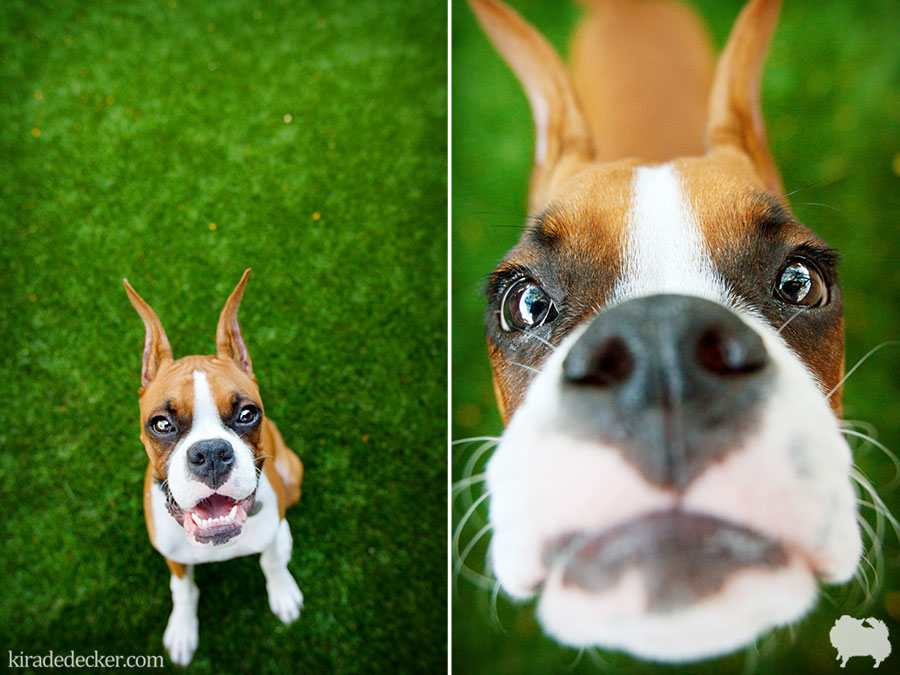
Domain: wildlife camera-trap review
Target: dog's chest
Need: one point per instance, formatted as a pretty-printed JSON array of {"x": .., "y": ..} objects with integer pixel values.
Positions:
[{"x": 260, "y": 530}]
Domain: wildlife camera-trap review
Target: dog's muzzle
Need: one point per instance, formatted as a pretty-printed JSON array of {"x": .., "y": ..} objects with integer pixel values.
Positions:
[{"x": 642, "y": 487}]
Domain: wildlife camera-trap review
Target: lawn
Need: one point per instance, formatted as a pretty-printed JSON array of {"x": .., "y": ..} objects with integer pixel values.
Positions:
[
  {"x": 832, "y": 103},
  {"x": 176, "y": 144}
]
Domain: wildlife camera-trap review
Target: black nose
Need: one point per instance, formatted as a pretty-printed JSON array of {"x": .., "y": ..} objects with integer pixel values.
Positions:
[
  {"x": 211, "y": 461},
  {"x": 672, "y": 380}
]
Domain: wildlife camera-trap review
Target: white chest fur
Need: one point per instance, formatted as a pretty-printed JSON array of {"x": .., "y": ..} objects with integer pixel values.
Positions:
[{"x": 259, "y": 531}]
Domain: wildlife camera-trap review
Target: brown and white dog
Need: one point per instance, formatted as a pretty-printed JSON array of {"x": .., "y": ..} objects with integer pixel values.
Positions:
[
  {"x": 220, "y": 476},
  {"x": 666, "y": 342}
]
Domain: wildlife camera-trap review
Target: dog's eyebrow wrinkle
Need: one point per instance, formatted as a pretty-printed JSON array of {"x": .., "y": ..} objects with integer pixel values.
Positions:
[
  {"x": 544, "y": 232},
  {"x": 773, "y": 217}
]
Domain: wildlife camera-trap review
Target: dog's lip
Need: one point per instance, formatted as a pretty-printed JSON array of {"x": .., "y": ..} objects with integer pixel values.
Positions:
[
  {"x": 217, "y": 519},
  {"x": 687, "y": 545}
]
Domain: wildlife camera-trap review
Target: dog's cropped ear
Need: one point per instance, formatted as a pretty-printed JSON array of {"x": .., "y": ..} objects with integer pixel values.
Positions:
[
  {"x": 562, "y": 136},
  {"x": 157, "y": 351},
  {"x": 736, "y": 130},
  {"x": 229, "y": 341}
]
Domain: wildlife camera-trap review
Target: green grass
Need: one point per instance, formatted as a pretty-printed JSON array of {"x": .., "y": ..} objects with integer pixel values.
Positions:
[
  {"x": 129, "y": 129},
  {"x": 833, "y": 111}
]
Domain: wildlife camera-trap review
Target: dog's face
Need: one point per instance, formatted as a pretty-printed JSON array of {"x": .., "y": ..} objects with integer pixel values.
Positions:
[
  {"x": 672, "y": 479},
  {"x": 667, "y": 350},
  {"x": 202, "y": 425}
]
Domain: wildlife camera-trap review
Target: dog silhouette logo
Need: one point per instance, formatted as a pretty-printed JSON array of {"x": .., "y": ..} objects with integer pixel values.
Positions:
[{"x": 851, "y": 637}]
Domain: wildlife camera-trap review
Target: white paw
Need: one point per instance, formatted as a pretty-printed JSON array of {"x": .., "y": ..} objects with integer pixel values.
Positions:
[
  {"x": 285, "y": 597},
  {"x": 181, "y": 637}
]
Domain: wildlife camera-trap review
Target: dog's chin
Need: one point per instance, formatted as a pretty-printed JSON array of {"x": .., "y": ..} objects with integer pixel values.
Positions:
[
  {"x": 217, "y": 520},
  {"x": 671, "y": 586}
]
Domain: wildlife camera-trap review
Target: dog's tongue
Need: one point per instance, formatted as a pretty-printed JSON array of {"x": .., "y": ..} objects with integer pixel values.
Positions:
[
  {"x": 217, "y": 519},
  {"x": 214, "y": 506}
]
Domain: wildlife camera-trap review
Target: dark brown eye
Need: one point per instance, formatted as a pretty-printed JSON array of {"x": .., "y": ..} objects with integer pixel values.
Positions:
[
  {"x": 248, "y": 415},
  {"x": 525, "y": 305},
  {"x": 162, "y": 426},
  {"x": 801, "y": 283}
]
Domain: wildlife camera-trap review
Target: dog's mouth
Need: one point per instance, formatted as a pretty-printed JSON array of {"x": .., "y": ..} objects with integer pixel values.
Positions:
[
  {"x": 681, "y": 557},
  {"x": 214, "y": 520}
]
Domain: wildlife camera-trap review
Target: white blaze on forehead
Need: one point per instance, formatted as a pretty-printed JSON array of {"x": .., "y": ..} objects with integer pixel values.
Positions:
[
  {"x": 665, "y": 251},
  {"x": 206, "y": 414}
]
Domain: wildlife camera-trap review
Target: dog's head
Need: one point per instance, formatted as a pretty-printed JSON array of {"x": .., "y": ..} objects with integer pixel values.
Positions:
[
  {"x": 202, "y": 425},
  {"x": 667, "y": 351}
]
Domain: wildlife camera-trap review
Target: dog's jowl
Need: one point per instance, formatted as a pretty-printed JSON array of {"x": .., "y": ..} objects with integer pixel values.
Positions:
[
  {"x": 220, "y": 476},
  {"x": 667, "y": 349}
]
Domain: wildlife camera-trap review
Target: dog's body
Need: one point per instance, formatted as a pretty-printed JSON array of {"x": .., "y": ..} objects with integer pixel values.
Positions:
[
  {"x": 667, "y": 349},
  {"x": 220, "y": 476}
]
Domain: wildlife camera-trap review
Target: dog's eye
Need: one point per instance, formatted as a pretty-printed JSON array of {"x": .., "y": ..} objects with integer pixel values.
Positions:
[
  {"x": 162, "y": 426},
  {"x": 801, "y": 283},
  {"x": 248, "y": 415},
  {"x": 525, "y": 305}
]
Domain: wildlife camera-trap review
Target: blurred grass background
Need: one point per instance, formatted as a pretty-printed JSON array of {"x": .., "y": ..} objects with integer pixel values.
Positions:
[
  {"x": 177, "y": 143},
  {"x": 832, "y": 102}
]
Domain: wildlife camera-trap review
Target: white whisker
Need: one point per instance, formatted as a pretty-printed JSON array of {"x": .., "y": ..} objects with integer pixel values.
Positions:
[
  {"x": 476, "y": 439},
  {"x": 877, "y": 505},
  {"x": 858, "y": 364},
  {"x": 890, "y": 455},
  {"x": 461, "y": 558},
  {"x": 827, "y": 206},
  {"x": 468, "y": 482},
  {"x": 522, "y": 365},
  {"x": 860, "y": 424},
  {"x": 471, "y": 463},
  {"x": 464, "y": 520},
  {"x": 540, "y": 339},
  {"x": 793, "y": 316},
  {"x": 495, "y": 615}
]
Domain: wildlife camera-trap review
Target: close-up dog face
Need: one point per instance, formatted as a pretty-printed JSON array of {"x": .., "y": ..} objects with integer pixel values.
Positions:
[
  {"x": 661, "y": 422},
  {"x": 666, "y": 342}
]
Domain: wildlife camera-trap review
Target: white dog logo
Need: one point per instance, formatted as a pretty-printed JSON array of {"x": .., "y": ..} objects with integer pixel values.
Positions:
[{"x": 851, "y": 638}]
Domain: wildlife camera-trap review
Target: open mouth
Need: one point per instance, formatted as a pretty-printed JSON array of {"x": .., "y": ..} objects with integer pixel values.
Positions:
[
  {"x": 682, "y": 557},
  {"x": 216, "y": 519}
]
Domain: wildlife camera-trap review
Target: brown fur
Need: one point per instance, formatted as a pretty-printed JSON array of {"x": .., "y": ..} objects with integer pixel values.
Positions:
[{"x": 628, "y": 56}]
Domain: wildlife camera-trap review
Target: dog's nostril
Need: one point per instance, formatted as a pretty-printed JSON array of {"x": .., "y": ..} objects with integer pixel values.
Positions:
[
  {"x": 723, "y": 352},
  {"x": 609, "y": 364}
]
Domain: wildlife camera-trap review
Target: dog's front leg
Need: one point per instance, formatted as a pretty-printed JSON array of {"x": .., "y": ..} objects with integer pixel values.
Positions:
[
  {"x": 285, "y": 597},
  {"x": 182, "y": 631}
]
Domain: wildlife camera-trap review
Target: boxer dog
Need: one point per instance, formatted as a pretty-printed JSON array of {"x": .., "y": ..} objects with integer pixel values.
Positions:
[
  {"x": 220, "y": 476},
  {"x": 666, "y": 341}
]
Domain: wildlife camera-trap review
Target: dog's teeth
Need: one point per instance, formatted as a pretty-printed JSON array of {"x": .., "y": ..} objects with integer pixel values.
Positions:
[{"x": 208, "y": 522}]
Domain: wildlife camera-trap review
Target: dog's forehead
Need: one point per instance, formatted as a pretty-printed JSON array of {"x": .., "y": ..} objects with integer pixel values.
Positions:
[
  {"x": 174, "y": 386},
  {"x": 698, "y": 227},
  {"x": 730, "y": 209},
  {"x": 625, "y": 219}
]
